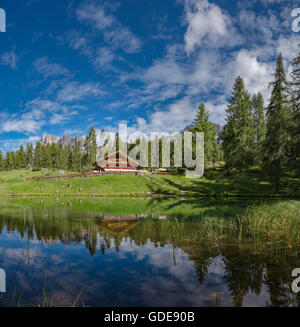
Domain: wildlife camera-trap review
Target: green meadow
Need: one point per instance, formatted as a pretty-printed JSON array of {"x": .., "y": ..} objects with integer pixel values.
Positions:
[{"x": 215, "y": 183}]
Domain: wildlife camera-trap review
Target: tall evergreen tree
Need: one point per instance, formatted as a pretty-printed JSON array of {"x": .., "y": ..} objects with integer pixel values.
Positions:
[
  {"x": 278, "y": 117},
  {"x": 2, "y": 161},
  {"x": 259, "y": 126},
  {"x": 76, "y": 158},
  {"x": 238, "y": 132},
  {"x": 37, "y": 158},
  {"x": 20, "y": 158},
  {"x": 29, "y": 155},
  {"x": 10, "y": 161},
  {"x": 295, "y": 97},
  {"x": 202, "y": 124},
  {"x": 90, "y": 147}
]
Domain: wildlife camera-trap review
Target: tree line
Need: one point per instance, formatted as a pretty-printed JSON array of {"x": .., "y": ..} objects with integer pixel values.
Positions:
[
  {"x": 81, "y": 158},
  {"x": 266, "y": 137}
]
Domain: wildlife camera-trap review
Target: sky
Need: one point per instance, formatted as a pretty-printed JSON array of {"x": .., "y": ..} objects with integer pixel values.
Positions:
[{"x": 68, "y": 65}]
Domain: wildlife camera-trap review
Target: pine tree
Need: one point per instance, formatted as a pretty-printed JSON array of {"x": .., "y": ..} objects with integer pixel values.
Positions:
[
  {"x": 257, "y": 103},
  {"x": 76, "y": 158},
  {"x": 20, "y": 158},
  {"x": 2, "y": 161},
  {"x": 37, "y": 158},
  {"x": 238, "y": 132},
  {"x": 29, "y": 155},
  {"x": 295, "y": 99},
  {"x": 202, "y": 124},
  {"x": 278, "y": 116},
  {"x": 54, "y": 155},
  {"x": 10, "y": 161},
  {"x": 46, "y": 156},
  {"x": 90, "y": 147}
]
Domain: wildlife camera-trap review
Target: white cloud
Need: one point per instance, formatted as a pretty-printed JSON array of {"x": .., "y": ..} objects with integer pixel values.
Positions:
[
  {"x": 75, "y": 91},
  {"x": 256, "y": 74},
  {"x": 115, "y": 33},
  {"x": 9, "y": 59},
  {"x": 95, "y": 15},
  {"x": 26, "y": 123},
  {"x": 104, "y": 57},
  {"x": 14, "y": 144},
  {"x": 44, "y": 67},
  {"x": 205, "y": 20}
]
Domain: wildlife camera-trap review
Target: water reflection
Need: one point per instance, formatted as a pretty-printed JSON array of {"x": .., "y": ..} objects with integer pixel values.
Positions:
[{"x": 146, "y": 256}]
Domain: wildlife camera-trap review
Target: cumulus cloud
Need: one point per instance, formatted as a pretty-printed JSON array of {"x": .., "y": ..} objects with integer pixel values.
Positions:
[
  {"x": 205, "y": 20},
  {"x": 28, "y": 122}
]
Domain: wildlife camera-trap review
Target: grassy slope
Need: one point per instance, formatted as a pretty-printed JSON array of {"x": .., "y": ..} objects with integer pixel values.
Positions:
[
  {"x": 13, "y": 183},
  {"x": 214, "y": 183}
]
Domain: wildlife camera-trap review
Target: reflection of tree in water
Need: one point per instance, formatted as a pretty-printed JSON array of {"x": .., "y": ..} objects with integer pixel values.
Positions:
[
  {"x": 246, "y": 269},
  {"x": 243, "y": 272}
]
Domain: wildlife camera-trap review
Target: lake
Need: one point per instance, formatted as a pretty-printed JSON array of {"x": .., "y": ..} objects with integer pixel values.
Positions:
[{"x": 136, "y": 252}]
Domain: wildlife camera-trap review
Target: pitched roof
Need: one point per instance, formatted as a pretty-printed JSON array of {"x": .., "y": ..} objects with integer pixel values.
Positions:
[{"x": 114, "y": 159}]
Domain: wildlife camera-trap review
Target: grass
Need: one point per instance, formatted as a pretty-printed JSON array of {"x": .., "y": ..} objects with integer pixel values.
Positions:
[
  {"x": 215, "y": 183},
  {"x": 14, "y": 182}
]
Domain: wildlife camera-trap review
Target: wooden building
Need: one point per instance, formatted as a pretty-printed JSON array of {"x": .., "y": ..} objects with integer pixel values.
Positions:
[{"x": 117, "y": 162}]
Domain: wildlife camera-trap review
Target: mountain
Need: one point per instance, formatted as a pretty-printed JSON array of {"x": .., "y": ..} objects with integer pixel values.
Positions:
[
  {"x": 64, "y": 140},
  {"x": 48, "y": 139}
]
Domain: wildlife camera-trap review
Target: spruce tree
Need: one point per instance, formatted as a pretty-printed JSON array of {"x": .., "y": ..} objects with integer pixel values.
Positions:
[
  {"x": 278, "y": 117},
  {"x": 76, "y": 160},
  {"x": 20, "y": 158},
  {"x": 37, "y": 158},
  {"x": 238, "y": 132},
  {"x": 10, "y": 161},
  {"x": 295, "y": 99},
  {"x": 259, "y": 126},
  {"x": 2, "y": 162},
  {"x": 29, "y": 155},
  {"x": 202, "y": 124}
]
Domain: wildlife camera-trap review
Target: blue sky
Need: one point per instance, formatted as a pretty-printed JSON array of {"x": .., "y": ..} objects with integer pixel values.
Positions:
[{"x": 67, "y": 65}]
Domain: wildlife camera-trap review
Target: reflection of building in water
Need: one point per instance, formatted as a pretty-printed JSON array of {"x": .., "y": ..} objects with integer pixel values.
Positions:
[{"x": 118, "y": 225}]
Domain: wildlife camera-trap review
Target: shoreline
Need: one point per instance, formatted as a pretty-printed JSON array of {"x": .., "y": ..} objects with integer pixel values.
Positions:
[{"x": 145, "y": 195}]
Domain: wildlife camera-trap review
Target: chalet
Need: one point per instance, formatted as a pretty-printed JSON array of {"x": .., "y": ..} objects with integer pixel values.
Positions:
[{"x": 117, "y": 162}]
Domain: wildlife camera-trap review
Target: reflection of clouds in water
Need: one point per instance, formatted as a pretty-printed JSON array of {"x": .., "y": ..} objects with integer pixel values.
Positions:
[
  {"x": 177, "y": 285},
  {"x": 136, "y": 275}
]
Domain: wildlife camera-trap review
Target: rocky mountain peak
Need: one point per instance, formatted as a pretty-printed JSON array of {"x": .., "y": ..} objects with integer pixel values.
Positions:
[
  {"x": 64, "y": 140},
  {"x": 48, "y": 139}
]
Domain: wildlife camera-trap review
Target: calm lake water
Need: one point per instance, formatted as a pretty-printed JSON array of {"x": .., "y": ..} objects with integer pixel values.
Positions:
[{"x": 134, "y": 252}]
